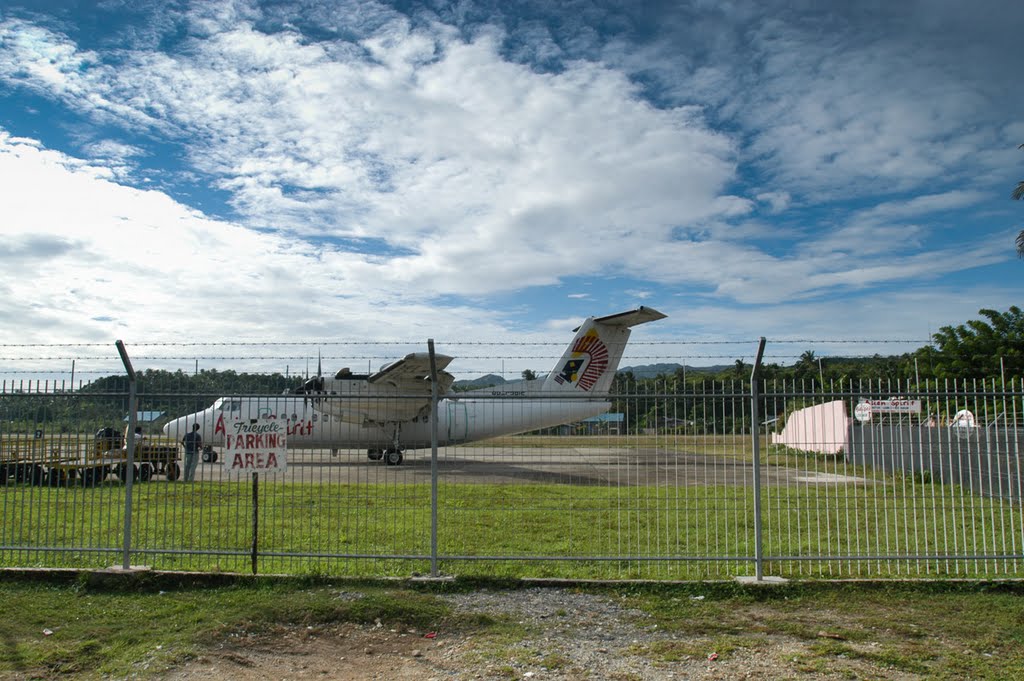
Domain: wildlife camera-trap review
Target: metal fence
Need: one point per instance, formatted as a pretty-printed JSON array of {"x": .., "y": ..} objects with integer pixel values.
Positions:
[{"x": 678, "y": 486}]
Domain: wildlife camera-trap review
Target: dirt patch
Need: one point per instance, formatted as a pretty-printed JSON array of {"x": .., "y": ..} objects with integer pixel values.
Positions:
[
  {"x": 344, "y": 652},
  {"x": 546, "y": 634}
]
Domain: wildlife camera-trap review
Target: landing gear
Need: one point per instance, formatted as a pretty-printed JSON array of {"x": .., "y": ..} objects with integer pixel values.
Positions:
[
  {"x": 392, "y": 456},
  {"x": 209, "y": 455}
]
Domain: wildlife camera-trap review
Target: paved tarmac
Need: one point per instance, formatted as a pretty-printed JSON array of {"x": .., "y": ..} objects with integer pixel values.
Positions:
[{"x": 524, "y": 465}]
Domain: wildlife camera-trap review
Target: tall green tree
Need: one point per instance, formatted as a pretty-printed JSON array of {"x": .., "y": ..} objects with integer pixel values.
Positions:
[
  {"x": 981, "y": 348},
  {"x": 806, "y": 368}
]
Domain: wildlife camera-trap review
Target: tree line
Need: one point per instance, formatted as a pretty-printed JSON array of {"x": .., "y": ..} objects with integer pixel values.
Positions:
[{"x": 991, "y": 347}]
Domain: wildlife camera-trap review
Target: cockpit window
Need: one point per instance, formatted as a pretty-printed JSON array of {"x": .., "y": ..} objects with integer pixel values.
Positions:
[{"x": 227, "y": 405}]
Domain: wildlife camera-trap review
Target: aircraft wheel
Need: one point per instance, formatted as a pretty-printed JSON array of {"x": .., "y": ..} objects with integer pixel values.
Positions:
[
  {"x": 393, "y": 457},
  {"x": 122, "y": 472},
  {"x": 209, "y": 456},
  {"x": 374, "y": 455},
  {"x": 58, "y": 477},
  {"x": 145, "y": 472},
  {"x": 172, "y": 471},
  {"x": 93, "y": 476}
]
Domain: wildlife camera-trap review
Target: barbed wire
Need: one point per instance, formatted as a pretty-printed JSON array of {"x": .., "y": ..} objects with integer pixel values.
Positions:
[
  {"x": 504, "y": 342},
  {"x": 102, "y": 364},
  {"x": 116, "y": 368}
]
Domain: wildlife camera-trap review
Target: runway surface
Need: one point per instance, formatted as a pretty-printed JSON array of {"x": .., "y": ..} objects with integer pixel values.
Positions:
[{"x": 526, "y": 465}]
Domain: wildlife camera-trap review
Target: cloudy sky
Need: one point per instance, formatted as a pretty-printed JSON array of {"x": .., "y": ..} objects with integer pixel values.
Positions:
[{"x": 212, "y": 171}]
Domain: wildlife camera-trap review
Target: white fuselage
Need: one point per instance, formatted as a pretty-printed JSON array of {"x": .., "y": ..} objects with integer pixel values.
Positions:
[
  {"x": 463, "y": 419},
  {"x": 391, "y": 409}
]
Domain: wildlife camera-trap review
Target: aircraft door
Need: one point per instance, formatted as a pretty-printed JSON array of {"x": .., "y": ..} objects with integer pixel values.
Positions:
[{"x": 458, "y": 421}]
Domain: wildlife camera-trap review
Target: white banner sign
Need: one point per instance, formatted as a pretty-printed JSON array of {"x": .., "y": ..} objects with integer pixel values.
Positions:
[
  {"x": 865, "y": 408},
  {"x": 255, "y": 446},
  {"x": 895, "y": 406}
]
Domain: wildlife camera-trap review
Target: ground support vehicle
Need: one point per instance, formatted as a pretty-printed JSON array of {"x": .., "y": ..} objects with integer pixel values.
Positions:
[
  {"x": 152, "y": 456},
  {"x": 67, "y": 460},
  {"x": 39, "y": 460}
]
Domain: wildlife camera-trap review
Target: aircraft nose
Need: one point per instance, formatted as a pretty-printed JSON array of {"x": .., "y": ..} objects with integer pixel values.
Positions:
[{"x": 173, "y": 429}]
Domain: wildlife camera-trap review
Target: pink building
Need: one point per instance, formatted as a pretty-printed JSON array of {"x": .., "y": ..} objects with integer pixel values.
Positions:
[{"x": 821, "y": 428}]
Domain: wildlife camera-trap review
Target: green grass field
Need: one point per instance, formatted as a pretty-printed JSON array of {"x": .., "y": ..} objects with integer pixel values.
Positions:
[{"x": 895, "y": 527}]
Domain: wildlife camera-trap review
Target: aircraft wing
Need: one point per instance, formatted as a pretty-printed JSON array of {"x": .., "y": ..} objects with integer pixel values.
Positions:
[{"x": 411, "y": 374}]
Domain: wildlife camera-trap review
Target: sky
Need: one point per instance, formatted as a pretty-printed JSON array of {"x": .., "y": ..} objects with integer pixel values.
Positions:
[{"x": 321, "y": 171}]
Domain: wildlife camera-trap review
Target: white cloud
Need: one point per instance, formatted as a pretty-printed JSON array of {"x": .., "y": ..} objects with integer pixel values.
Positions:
[
  {"x": 111, "y": 262},
  {"x": 439, "y": 146},
  {"x": 103, "y": 250},
  {"x": 467, "y": 174},
  {"x": 923, "y": 205},
  {"x": 838, "y": 327},
  {"x": 858, "y": 110},
  {"x": 41, "y": 60},
  {"x": 777, "y": 201}
]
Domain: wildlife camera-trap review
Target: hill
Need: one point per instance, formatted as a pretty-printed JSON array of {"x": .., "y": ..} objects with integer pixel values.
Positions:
[
  {"x": 667, "y": 369},
  {"x": 481, "y": 382}
]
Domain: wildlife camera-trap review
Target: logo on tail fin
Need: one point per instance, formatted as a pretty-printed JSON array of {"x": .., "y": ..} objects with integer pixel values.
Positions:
[{"x": 593, "y": 366}]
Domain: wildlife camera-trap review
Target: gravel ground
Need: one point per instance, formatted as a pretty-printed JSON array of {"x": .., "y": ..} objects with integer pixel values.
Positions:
[{"x": 568, "y": 635}]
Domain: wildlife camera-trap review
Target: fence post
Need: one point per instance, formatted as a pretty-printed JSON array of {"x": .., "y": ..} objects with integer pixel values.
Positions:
[
  {"x": 433, "y": 459},
  {"x": 130, "y": 464},
  {"x": 755, "y": 431},
  {"x": 255, "y": 520}
]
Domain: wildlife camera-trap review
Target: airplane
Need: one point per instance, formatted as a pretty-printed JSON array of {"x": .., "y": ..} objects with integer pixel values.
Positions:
[{"x": 389, "y": 411}]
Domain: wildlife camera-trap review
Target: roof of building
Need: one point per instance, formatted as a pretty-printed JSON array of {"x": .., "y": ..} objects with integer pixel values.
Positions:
[
  {"x": 606, "y": 418},
  {"x": 146, "y": 416}
]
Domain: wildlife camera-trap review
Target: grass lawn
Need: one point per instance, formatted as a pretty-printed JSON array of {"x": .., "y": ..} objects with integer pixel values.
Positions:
[
  {"x": 890, "y": 528},
  {"x": 90, "y": 626}
]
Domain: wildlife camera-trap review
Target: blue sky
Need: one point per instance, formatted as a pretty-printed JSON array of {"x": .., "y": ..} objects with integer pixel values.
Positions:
[{"x": 491, "y": 170}]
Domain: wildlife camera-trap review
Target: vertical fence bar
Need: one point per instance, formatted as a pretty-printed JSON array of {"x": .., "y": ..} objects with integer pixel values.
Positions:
[
  {"x": 255, "y": 520},
  {"x": 433, "y": 459},
  {"x": 130, "y": 444},
  {"x": 755, "y": 434}
]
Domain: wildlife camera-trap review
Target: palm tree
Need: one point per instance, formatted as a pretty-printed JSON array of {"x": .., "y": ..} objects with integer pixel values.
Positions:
[{"x": 1018, "y": 194}]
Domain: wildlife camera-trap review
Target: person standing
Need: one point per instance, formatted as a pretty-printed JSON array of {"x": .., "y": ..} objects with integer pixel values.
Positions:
[
  {"x": 193, "y": 446},
  {"x": 137, "y": 437}
]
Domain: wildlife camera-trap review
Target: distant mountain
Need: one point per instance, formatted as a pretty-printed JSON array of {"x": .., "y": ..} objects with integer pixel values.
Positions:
[
  {"x": 643, "y": 371},
  {"x": 652, "y": 370},
  {"x": 482, "y": 382}
]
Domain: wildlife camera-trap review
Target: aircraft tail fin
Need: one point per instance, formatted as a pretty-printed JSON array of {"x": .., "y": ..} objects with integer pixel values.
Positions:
[{"x": 589, "y": 363}]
